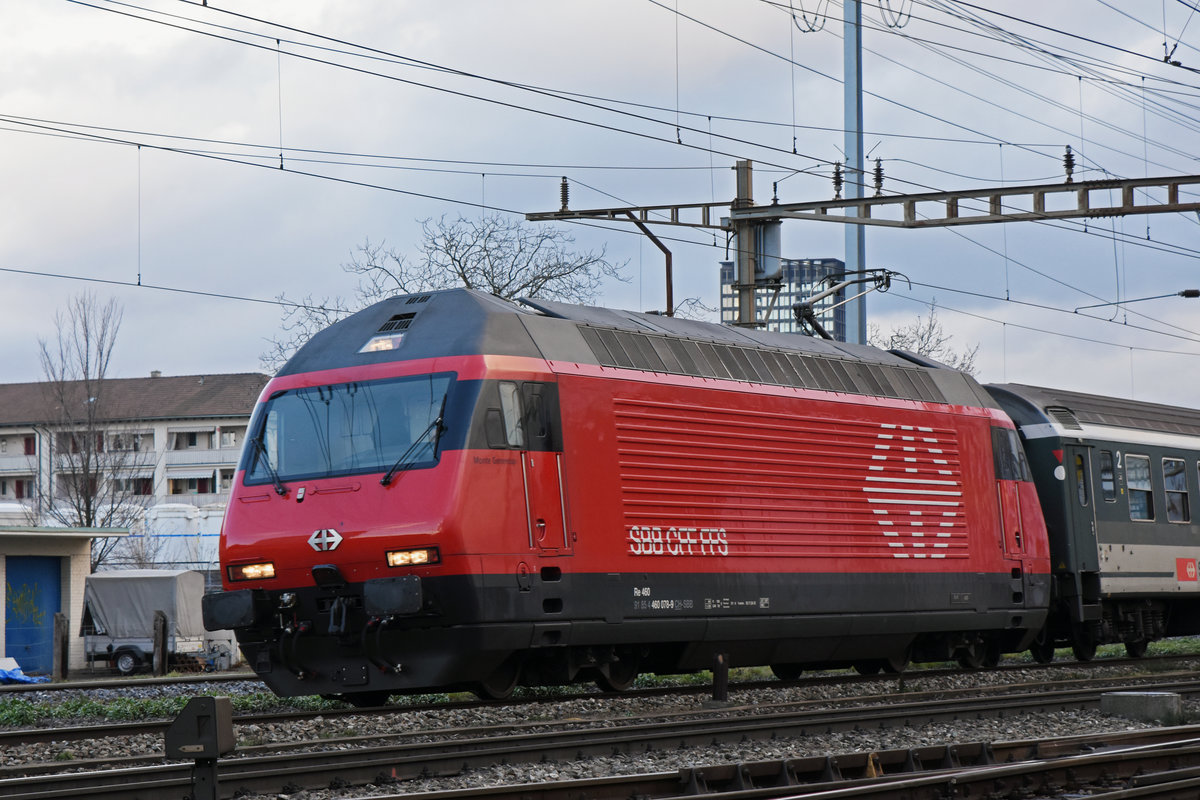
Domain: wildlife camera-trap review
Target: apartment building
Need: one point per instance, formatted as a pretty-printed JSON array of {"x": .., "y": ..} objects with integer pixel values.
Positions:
[{"x": 148, "y": 441}]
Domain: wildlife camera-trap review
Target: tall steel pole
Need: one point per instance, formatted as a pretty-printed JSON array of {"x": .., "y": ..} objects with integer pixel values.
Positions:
[
  {"x": 746, "y": 263},
  {"x": 856, "y": 235}
]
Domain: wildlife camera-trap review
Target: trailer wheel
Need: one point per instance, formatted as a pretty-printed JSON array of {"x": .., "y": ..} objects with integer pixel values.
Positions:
[{"x": 127, "y": 661}]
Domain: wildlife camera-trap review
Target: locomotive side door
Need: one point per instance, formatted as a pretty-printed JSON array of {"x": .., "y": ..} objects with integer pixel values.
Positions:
[
  {"x": 542, "y": 471},
  {"x": 1010, "y": 468}
]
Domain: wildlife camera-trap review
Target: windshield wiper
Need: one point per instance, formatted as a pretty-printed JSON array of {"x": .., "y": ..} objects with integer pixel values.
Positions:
[
  {"x": 265, "y": 460},
  {"x": 403, "y": 462}
]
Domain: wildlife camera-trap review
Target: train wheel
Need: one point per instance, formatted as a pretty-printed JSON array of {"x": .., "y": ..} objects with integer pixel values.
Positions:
[
  {"x": 868, "y": 667},
  {"x": 1136, "y": 649},
  {"x": 991, "y": 655},
  {"x": 620, "y": 676},
  {"x": 896, "y": 664},
  {"x": 500, "y": 684},
  {"x": 970, "y": 659},
  {"x": 366, "y": 699},
  {"x": 1084, "y": 649},
  {"x": 1042, "y": 647},
  {"x": 979, "y": 654},
  {"x": 787, "y": 672}
]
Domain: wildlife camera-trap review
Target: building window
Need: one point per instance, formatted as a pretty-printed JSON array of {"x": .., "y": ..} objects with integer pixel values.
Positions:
[
  {"x": 1175, "y": 485},
  {"x": 141, "y": 487},
  {"x": 1141, "y": 489},
  {"x": 125, "y": 442},
  {"x": 1108, "y": 484},
  {"x": 3, "y": 445},
  {"x": 191, "y": 485},
  {"x": 228, "y": 438},
  {"x": 30, "y": 446}
]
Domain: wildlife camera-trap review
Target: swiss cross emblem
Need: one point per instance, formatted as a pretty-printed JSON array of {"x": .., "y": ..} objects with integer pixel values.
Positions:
[{"x": 325, "y": 539}]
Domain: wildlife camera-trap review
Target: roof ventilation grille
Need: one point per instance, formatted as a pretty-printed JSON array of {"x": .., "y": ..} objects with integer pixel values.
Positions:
[
  {"x": 423, "y": 298},
  {"x": 399, "y": 322},
  {"x": 1064, "y": 417}
]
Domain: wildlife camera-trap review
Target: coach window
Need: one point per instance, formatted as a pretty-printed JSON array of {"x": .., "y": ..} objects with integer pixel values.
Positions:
[
  {"x": 1081, "y": 480},
  {"x": 1141, "y": 490},
  {"x": 1175, "y": 484},
  {"x": 510, "y": 406},
  {"x": 1108, "y": 484}
]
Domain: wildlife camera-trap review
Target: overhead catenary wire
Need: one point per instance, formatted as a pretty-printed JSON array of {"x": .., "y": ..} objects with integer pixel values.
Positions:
[
  {"x": 451, "y": 200},
  {"x": 470, "y": 96},
  {"x": 488, "y": 207}
]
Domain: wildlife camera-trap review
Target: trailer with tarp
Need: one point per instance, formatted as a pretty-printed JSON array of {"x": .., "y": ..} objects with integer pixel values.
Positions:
[{"x": 118, "y": 620}]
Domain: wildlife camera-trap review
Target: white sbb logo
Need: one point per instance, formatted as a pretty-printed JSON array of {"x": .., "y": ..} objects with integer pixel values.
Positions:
[{"x": 325, "y": 539}]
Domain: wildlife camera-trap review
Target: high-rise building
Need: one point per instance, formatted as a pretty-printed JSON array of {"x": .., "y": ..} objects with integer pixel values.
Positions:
[{"x": 798, "y": 280}]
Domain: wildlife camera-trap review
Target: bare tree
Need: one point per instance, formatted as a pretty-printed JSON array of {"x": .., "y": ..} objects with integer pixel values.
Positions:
[
  {"x": 96, "y": 457},
  {"x": 926, "y": 337},
  {"x": 494, "y": 253}
]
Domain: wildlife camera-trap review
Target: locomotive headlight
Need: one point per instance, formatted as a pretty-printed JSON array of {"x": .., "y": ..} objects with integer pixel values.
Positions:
[
  {"x": 412, "y": 558},
  {"x": 252, "y": 572}
]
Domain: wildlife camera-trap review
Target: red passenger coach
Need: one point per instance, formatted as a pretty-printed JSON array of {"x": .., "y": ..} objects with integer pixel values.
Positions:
[{"x": 450, "y": 490}]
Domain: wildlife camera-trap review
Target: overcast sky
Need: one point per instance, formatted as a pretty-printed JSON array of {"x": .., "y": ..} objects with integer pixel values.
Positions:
[{"x": 400, "y": 106}]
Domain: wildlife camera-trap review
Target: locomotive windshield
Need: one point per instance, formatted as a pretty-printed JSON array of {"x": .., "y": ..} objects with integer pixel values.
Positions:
[{"x": 347, "y": 428}]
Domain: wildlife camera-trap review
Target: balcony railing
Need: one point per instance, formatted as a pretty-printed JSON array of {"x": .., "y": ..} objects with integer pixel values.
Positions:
[
  {"x": 217, "y": 456},
  {"x": 194, "y": 499},
  {"x": 18, "y": 464}
]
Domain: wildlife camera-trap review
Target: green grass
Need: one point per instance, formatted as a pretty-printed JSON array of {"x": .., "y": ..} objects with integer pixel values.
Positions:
[{"x": 17, "y": 713}]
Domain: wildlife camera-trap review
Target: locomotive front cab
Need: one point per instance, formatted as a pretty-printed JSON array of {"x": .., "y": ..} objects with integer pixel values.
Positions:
[{"x": 338, "y": 517}]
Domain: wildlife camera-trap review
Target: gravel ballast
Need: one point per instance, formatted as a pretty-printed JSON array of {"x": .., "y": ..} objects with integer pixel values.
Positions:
[{"x": 595, "y": 710}]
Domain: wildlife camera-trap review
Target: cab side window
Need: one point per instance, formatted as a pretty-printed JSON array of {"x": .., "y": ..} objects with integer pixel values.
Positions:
[
  {"x": 1009, "y": 457},
  {"x": 511, "y": 411}
]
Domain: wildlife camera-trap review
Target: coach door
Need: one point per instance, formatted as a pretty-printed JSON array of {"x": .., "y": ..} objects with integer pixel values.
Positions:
[
  {"x": 1081, "y": 507},
  {"x": 542, "y": 473}
]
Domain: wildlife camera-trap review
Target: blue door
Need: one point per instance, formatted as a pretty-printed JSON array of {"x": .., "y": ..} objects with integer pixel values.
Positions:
[{"x": 32, "y": 596}]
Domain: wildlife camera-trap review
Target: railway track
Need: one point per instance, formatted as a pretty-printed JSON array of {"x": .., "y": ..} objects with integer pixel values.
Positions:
[
  {"x": 376, "y": 759},
  {"x": 157, "y": 727},
  {"x": 1163, "y": 763}
]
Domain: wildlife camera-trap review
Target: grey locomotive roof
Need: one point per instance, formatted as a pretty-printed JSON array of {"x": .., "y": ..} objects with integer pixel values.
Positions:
[
  {"x": 1039, "y": 405},
  {"x": 458, "y": 322}
]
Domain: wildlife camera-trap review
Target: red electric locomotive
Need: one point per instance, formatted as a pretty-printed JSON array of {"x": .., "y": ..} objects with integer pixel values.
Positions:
[{"x": 451, "y": 490}]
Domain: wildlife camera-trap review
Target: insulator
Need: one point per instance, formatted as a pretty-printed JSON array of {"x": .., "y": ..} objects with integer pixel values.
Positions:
[
  {"x": 1069, "y": 164},
  {"x": 837, "y": 180},
  {"x": 565, "y": 192},
  {"x": 878, "y": 177}
]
